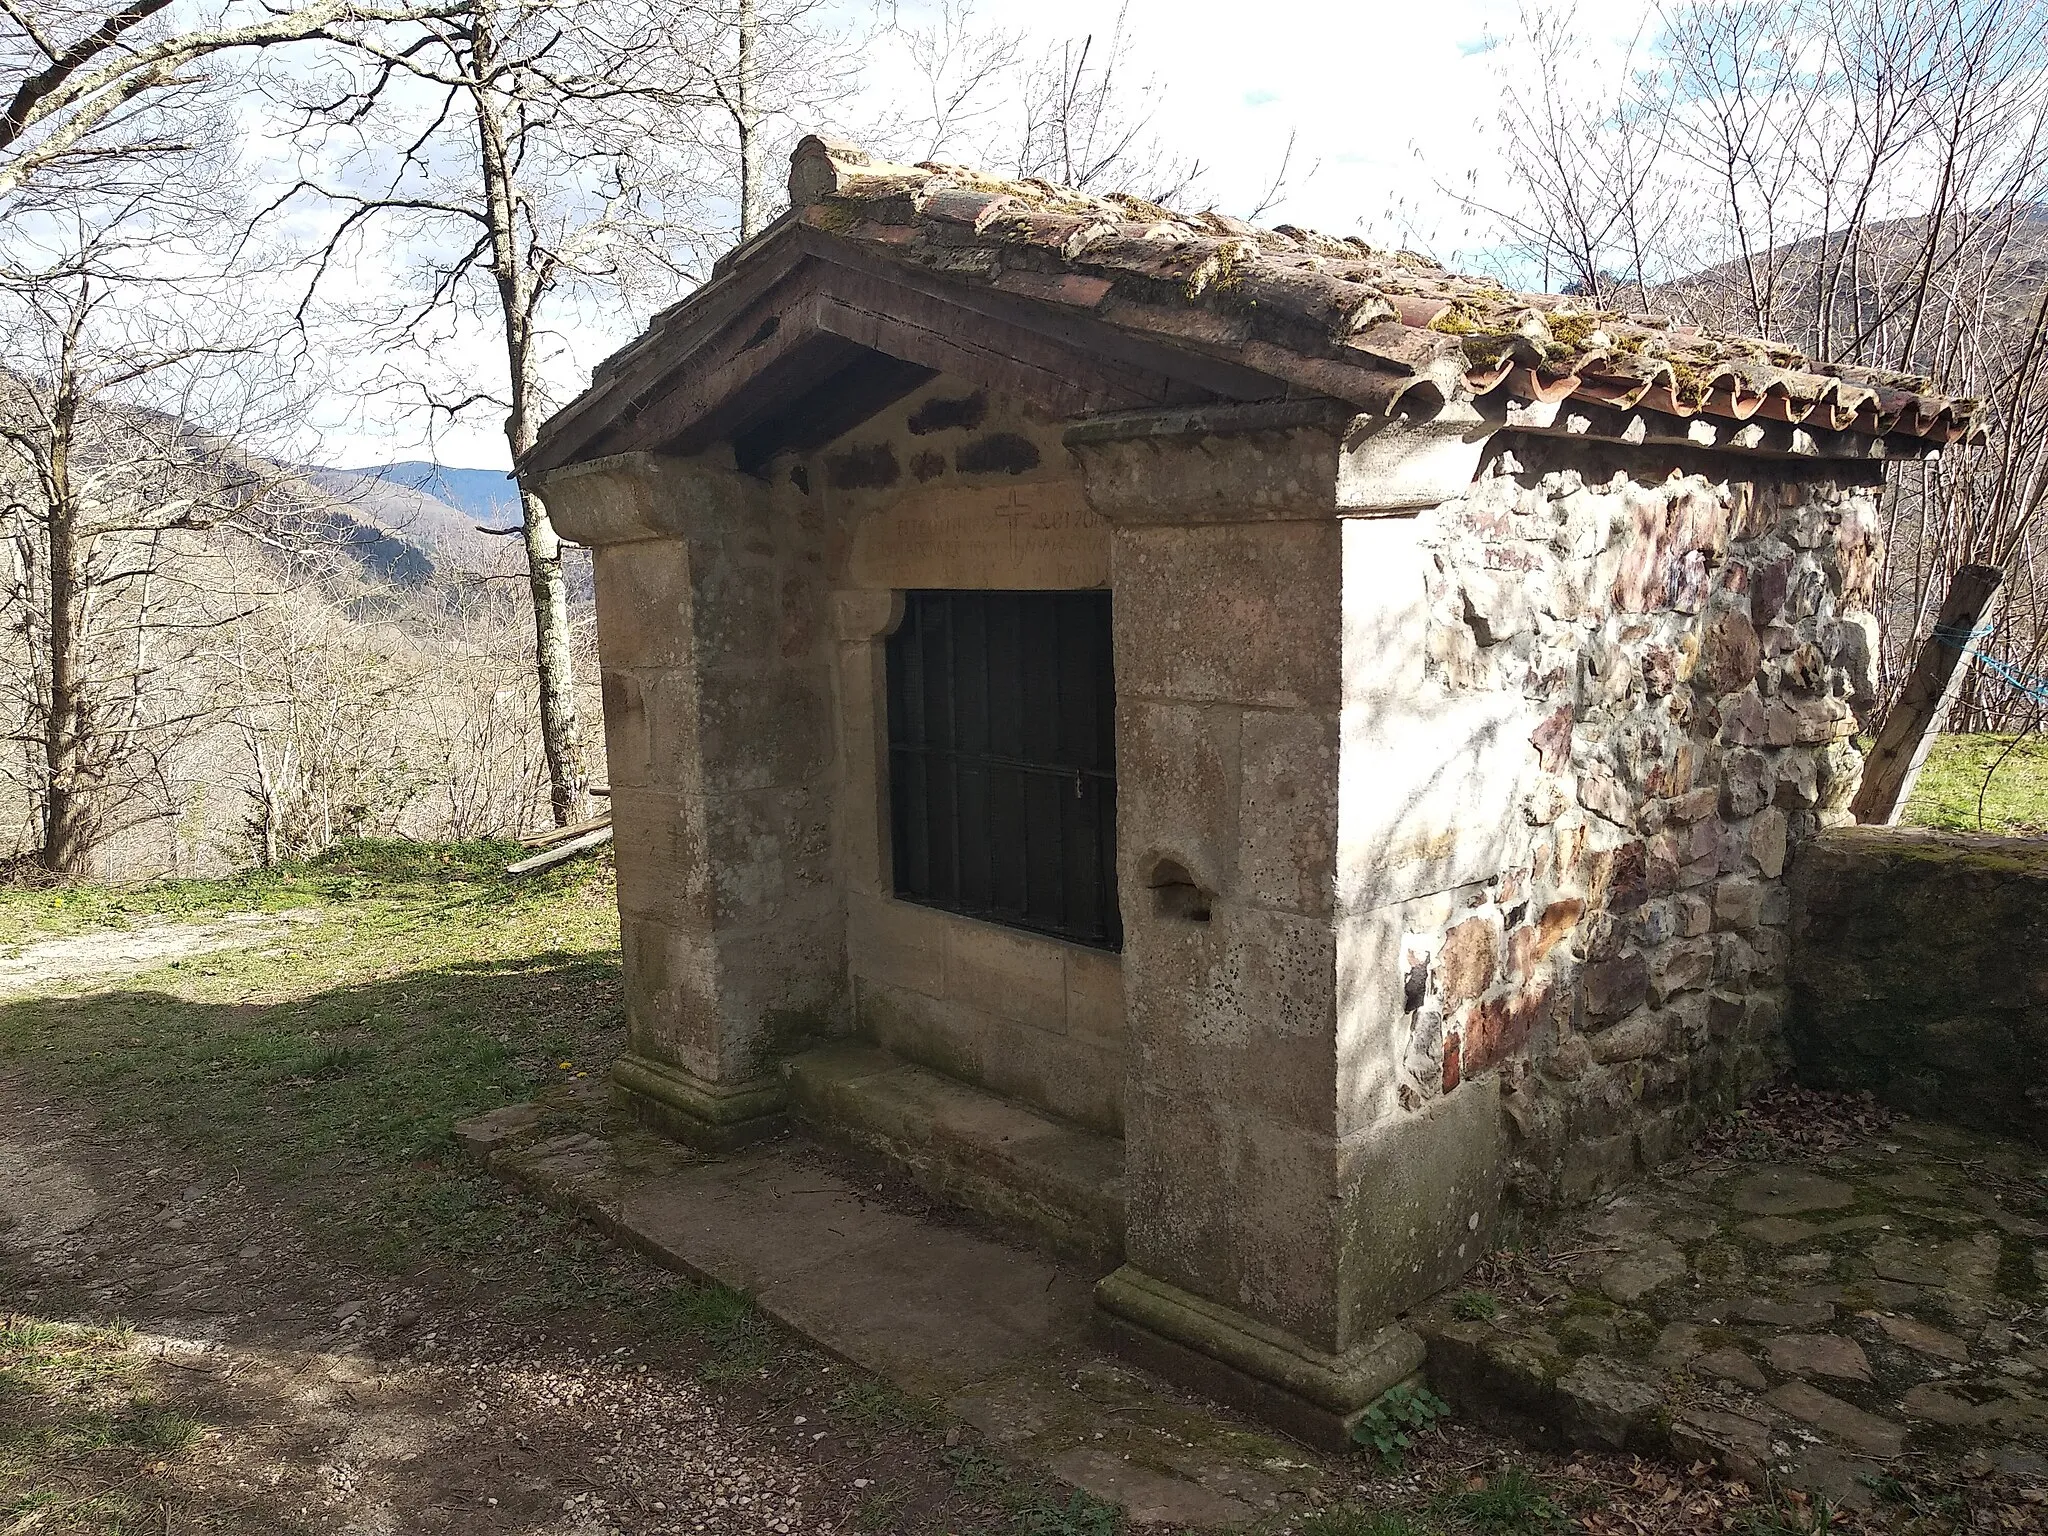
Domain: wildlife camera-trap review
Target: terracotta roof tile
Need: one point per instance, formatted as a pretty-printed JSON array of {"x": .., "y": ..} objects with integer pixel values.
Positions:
[{"x": 1336, "y": 316}]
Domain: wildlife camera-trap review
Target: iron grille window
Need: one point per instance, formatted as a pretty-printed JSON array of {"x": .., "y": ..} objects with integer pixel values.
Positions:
[{"x": 1002, "y": 760}]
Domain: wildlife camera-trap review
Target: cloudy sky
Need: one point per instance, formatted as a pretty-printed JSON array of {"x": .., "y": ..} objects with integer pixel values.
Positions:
[
  {"x": 1389, "y": 103},
  {"x": 1385, "y": 98}
]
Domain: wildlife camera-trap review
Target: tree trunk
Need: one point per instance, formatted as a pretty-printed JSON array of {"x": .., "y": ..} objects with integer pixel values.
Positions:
[
  {"x": 1914, "y": 719},
  {"x": 64, "y": 811},
  {"x": 266, "y": 803},
  {"x": 66, "y": 807},
  {"x": 747, "y": 120},
  {"x": 554, "y": 664}
]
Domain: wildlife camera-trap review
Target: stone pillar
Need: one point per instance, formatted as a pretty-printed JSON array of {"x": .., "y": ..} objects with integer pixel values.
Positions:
[
  {"x": 1269, "y": 632},
  {"x": 715, "y": 650}
]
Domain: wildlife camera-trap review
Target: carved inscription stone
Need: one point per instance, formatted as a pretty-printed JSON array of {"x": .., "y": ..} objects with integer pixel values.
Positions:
[{"x": 1034, "y": 536}]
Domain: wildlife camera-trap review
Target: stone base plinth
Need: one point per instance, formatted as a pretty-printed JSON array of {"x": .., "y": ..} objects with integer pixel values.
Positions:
[
  {"x": 711, "y": 1116},
  {"x": 1310, "y": 1394}
]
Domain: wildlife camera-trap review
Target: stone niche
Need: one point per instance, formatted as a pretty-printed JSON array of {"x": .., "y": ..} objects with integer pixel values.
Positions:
[
  {"x": 952, "y": 490},
  {"x": 1456, "y": 773}
]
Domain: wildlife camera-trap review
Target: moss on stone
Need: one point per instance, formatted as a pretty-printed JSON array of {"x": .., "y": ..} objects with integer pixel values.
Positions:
[
  {"x": 2016, "y": 1276},
  {"x": 1956, "y": 850},
  {"x": 1690, "y": 384},
  {"x": 835, "y": 216},
  {"x": 1224, "y": 272},
  {"x": 1573, "y": 331},
  {"x": 787, "y": 1031},
  {"x": 1490, "y": 346},
  {"x": 1461, "y": 319}
]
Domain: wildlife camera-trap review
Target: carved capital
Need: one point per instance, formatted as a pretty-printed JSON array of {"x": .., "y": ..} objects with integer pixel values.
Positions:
[{"x": 634, "y": 496}]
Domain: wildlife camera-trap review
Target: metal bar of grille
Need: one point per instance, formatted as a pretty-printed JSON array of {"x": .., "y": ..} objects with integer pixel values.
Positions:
[
  {"x": 1002, "y": 759},
  {"x": 998, "y": 760}
]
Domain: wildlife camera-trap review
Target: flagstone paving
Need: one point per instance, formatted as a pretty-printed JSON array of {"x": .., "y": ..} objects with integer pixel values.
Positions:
[
  {"x": 1824, "y": 1298},
  {"x": 1832, "y": 1320}
]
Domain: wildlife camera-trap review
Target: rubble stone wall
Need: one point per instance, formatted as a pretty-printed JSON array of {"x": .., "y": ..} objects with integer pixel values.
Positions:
[
  {"x": 1696, "y": 636},
  {"x": 1919, "y": 970}
]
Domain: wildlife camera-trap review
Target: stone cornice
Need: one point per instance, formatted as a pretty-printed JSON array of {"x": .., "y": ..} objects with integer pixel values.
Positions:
[{"x": 1273, "y": 461}]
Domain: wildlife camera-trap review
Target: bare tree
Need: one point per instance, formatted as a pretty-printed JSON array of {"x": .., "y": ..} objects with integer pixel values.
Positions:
[
  {"x": 1584, "y": 168},
  {"x": 1087, "y": 123},
  {"x": 119, "y": 421},
  {"x": 1073, "y": 111},
  {"x": 1863, "y": 183},
  {"x": 963, "y": 70},
  {"x": 355, "y": 710},
  {"x": 528, "y": 156},
  {"x": 89, "y": 80}
]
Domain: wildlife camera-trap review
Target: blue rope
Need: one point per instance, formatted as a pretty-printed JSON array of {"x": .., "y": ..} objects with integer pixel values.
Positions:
[{"x": 1966, "y": 641}]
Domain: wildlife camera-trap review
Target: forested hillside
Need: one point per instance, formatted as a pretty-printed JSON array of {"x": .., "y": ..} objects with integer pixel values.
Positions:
[{"x": 324, "y": 654}]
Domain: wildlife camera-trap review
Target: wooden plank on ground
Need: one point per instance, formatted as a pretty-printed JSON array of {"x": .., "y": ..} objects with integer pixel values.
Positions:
[
  {"x": 1915, "y": 720},
  {"x": 562, "y": 851},
  {"x": 554, "y": 835}
]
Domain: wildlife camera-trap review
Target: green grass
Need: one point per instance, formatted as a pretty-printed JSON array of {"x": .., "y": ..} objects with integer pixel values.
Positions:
[
  {"x": 79, "y": 1423},
  {"x": 1788, "y": 1518},
  {"x": 384, "y": 869},
  {"x": 739, "y": 1340},
  {"x": 2015, "y": 803},
  {"x": 1030, "y": 1508},
  {"x": 871, "y": 1403},
  {"x": 1510, "y": 1503},
  {"x": 1078, "y": 1514},
  {"x": 333, "y": 1059},
  {"x": 1350, "y": 1520},
  {"x": 1474, "y": 1307},
  {"x": 881, "y": 1510},
  {"x": 328, "y": 1065}
]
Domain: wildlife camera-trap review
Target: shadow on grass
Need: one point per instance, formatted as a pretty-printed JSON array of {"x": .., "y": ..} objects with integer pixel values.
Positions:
[
  {"x": 304, "y": 1106},
  {"x": 338, "y": 1106},
  {"x": 340, "y": 1101},
  {"x": 99, "y": 1435}
]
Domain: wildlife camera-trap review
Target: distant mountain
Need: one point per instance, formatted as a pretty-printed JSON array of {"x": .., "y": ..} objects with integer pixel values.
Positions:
[
  {"x": 381, "y": 553},
  {"x": 447, "y": 512},
  {"x": 488, "y": 496},
  {"x": 2007, "y": 273},
  {"x": 457, "y": 519}
]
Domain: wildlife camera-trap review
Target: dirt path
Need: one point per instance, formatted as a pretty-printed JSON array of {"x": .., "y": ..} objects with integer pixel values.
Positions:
[
  {"x": 344, "y": 1331},
  {"x": 337, "y": 1399},
  {"x": 58, "y": 965}
]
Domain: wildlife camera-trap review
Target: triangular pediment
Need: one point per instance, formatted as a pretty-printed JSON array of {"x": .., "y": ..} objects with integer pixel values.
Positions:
[{"x": 800, "y": 338}]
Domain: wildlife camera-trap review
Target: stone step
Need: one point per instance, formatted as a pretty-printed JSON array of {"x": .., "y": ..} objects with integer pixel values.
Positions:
[
  {"x": 1001, "y": 1340},
  {"x": 977, "y": 1149}
]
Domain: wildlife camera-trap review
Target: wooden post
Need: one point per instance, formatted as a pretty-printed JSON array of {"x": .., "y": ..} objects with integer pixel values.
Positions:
[{"x": 1915, "y": 720}]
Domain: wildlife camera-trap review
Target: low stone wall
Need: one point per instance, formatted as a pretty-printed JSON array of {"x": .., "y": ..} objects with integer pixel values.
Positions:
[{"x": 1920, "y": 973}]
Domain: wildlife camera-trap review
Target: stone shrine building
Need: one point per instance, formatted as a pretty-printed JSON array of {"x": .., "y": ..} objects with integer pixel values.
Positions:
[{"x": 1236, "y": 750}]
